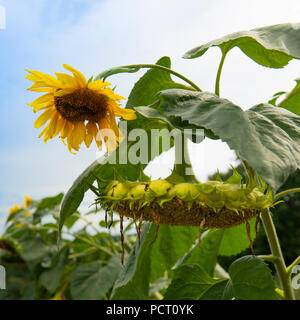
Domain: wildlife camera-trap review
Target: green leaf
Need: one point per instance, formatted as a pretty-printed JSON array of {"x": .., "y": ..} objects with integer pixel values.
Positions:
[
  {"x": 46, "y": 206},
  {"x": 206, "y": 253},
  {"x": 50, "y": 202},
  {"x": 190, "y": 282},
  {"x": 171, "y": 244},
  {"x": 101, "y": 168},
  {"x": 275, "y": 97},
  {"x": 133, "y": 281},
  {"x": 93, "y": 281},
  {"x": 159, "y": 285},
  {"x": 51, "y": 277},
  {"x": 143, "y": 93},
  {"x": 235, "y": 239},
  {"x": 271, "y": 136},
  {"x": 35, "y": 251},
  {"x": 20, "y": 283},
  {"x": 217, "y": 291},
  {"x": 252, "y": 280},
  {"x": 272, "y": 46},
  {"x": 292, "y": 100}
]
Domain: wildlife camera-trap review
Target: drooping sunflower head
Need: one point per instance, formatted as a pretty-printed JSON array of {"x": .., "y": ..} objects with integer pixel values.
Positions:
[{"x": 76, "y": 109}]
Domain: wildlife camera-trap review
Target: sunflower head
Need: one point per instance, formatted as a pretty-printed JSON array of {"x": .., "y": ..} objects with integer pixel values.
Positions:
[
  {"x": 219, "y": 204},
  {"x": 76, "y": 109},
  {"x": 27, "y": 201},
  {"x": 14, "y": 209}
]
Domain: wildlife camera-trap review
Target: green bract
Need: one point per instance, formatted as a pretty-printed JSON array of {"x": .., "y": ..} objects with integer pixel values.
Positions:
[{"x": 219, "y": 204}]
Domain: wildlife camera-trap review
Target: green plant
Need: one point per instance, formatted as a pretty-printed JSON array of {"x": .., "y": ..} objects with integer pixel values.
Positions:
[
  {"x": 85, "y": 265},
  {"x": 169, "y": 262}
]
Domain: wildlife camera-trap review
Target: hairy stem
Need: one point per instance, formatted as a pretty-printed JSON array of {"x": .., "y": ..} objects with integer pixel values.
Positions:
[
  {"x": 217, "y": 86},
  {"x": 285, "y": 192},
  {"x": 183, "y": 166},
  {"x": 151, "y": 66},
  {"x": 276, "y": 251}
]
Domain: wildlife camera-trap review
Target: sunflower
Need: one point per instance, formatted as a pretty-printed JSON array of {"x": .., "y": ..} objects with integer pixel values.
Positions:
[
  {"x": 77, "y": 110},
  {"x": 27, "y": 204}
]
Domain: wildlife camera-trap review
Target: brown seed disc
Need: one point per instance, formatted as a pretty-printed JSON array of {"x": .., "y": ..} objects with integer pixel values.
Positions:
[
  {"x": 176, "y": 212},
  {"x": 82, "y": 104}
]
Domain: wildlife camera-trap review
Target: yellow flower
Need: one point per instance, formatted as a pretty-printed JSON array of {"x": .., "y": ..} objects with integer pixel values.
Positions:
[
  {"x": 77, "y": 110},
  {"x": 27, "y": 201},
  {"x": 27, "y": 204},
  {"x": 14, "y": 209}
]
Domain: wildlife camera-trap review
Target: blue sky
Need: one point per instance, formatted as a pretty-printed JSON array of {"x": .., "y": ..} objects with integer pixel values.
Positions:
[{"x": 95, "y": 35}]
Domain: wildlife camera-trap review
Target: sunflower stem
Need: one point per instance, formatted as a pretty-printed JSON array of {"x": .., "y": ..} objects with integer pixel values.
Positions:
[
  {"x": 217, "y": 85},
  {"x": 276, "y": 251},
  {"x": 269, "y": 258},
  {"x": 285, "y": 192},
  {"x": 183, "y": 166},
  {"x": 136, "y": 67}
]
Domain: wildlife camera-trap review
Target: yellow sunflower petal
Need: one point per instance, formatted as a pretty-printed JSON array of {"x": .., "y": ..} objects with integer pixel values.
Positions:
[
  {"x": 44, "y": 77},
  {"x": 44, "y": 89},
  {"x": 67, "y": 129},
  {"x": 42, "y": 99},
  {"x": 113, "y": 124},
  {"x": 44, "y": 117},
  {"x": 63, "y": 92},
  {"x": 98, "y": 84},
  {"x": 52, "y": 127},
  {"x": 67, "y": 81},
  {"x": 110, "y": 93},
  {"x": 78, "y": 135},
  {"x": 59, "y": 125},
  {"x": 108, "y": 133},
  {"x": 43, "y": 131},
  {"x": 92, "y": 131},
  {"x": 41, "y": 84},
  {"x": 14, "y": 209},
  {"x": 127, "y": 114},
  {"x": 77, "y": 74},
  {"x": 71, "y": 144},
  {"x": 99, "y": 144},
  {"x": 43, "y": 106}
]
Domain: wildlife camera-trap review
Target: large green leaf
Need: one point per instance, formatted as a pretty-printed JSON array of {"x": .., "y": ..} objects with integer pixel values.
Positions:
[
  {"x": 171, "y": 244},
  {"x": 235, "y": 239},
  {"x": 190, "y": 282},
  {"x": 101, "y": 168},
  {"x": 92, "y": 281},
  {"x": 219, "y": 291},
  {"x": 251, "y": 279},
  {"x": 226, "y": 242},
  {"x": 133, "y": 281},
  {"x": 292, "y": 100},
  {"x": 50, "y": 278},
  {"x": 272, "y": 46},
  {"x": 268, "y": 138},
  {"x": 143, "y": 93},
  {"x": 35, "y": 251},
  {"x": 206, "y": 253}
]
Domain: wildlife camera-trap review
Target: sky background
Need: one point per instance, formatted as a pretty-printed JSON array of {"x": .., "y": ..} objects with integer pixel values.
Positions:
[{"x": 95, "y": 35}]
